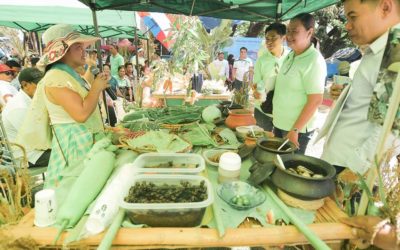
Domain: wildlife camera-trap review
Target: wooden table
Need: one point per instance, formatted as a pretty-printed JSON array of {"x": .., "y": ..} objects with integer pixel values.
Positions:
[{"x": 326, "y": 227}]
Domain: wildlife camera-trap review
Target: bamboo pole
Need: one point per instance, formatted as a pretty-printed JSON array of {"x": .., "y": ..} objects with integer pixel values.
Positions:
[
  {"x": 196, "y": 237},
  {"x": 379, "y": 153},
  {"x": 96, "y": 30}
]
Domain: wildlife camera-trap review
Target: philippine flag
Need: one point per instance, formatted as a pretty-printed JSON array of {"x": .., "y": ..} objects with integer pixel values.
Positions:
[{"x": 159, "y": 24}]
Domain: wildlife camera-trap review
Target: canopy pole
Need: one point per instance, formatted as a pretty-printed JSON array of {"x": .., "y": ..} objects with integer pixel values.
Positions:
[
  {"x": 39, "y": 39},
  {"x": 379, "y": 153},
  {"x": 96, "y": 31},
  {"x": 278, "y": 14},
  {"x": 148, "y": 50}
]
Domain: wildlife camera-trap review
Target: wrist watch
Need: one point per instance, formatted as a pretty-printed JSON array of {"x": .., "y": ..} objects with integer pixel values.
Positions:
[{"x": 296, "y": 130}]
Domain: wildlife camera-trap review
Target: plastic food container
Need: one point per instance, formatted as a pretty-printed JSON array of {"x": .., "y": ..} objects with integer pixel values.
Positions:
[
  {"x": 146, "y": 163},
  {"x": 187, "y": 214},
  {"x": 229, "y": 167}
]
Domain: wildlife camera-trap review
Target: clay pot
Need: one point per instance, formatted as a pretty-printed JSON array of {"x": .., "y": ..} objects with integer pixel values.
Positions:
[
  {"x": 240, "y": 117},
  {"x": 301, "y": 187}
]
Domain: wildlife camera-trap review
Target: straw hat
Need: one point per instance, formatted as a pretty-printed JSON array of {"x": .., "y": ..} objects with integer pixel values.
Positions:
[{"x": 58, "y": 38}]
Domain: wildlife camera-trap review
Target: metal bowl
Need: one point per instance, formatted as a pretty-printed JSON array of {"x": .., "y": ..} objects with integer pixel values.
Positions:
[{"x": 306, "y": 188}]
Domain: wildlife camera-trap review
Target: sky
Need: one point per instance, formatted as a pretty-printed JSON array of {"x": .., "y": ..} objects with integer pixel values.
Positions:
[{"x": 66, "y": 3}]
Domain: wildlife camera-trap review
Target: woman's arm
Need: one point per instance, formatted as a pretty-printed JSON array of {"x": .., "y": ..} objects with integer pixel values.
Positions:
[
  {"x": 72, "y": 102},
  {"x": 313, "y": 101}
]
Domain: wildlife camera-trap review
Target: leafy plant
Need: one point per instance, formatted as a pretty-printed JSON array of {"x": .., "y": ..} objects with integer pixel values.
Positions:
[{"x": 194, "y": 46}]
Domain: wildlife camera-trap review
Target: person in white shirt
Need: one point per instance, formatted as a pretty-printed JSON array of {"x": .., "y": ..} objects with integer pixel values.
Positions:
[
  {"x": 6, "y": 89},
  {"x": 240, "y": 68},
  {"x": 140, "y": 54},
  {"x": 352, "y": 140},
  {"x": 16, "y": 67},
  {"x": 15, "y": 110},
  {"x": 219, "y": 68}
]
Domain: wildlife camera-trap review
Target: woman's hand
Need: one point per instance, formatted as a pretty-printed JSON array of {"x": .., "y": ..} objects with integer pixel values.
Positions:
[
  {"x": 293, "y": 136},
  {"x": 101, "y": 82}
]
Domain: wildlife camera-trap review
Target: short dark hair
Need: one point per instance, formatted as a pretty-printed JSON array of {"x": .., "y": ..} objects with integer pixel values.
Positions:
[
  {"x": 34, "y": 61},
  {"x": 128, "y": 64},
  {"x": 306, "y": 19},
  {"x": 121, "y": 67},
  {"x": 106, "y": 65},
  {"x": 243, "y": 48},
  {"x": 280, "y": 28},
  {"x": 13, "y": 64}
]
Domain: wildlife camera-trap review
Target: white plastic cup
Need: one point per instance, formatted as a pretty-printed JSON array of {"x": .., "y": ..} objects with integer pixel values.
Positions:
[
  {"x": 45, "y": 208},
  {"x": 229, "y": 167}
]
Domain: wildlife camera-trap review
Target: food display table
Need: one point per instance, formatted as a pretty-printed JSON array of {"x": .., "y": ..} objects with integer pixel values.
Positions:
[
  {"x": 325, "y": 226},
  {"x": 202, "y": 100}
]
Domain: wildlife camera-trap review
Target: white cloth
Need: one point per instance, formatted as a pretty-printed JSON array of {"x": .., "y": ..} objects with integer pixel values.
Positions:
[
  {"x": 6, "y": 90},
  {"x": 353, "y": 140},
  {"x": 13, "y": 116},
  {"x": 15, "y": 83},
  {"x": 242, "y": 66},
  {"x": 140, "y": 59},
  {"x": 222, "y": 67}
]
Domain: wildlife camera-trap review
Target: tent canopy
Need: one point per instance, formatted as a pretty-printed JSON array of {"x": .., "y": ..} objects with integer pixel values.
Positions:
[
  {"x": 252, "y": 10},
  {"x": 112, "y": 23}
]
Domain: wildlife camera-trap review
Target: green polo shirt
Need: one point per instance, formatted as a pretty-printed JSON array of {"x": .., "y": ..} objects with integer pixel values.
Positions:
[
  {"x": 299, "y": 76},
  {"x": 115, "y": 62},
  {"x": 264, "y": 69}
]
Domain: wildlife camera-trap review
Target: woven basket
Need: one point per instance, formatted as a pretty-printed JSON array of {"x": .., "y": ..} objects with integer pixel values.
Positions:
[
  {"x": 295, "y": 202},
  {"x": 176, "y": 127},
  {"x": 124, "y": 144}
]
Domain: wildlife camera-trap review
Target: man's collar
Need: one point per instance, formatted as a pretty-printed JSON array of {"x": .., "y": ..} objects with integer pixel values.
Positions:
[{"x": 379, "y": 44}]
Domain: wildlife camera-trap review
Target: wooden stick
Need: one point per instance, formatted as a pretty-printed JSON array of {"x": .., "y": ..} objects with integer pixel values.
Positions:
[{"x": 386, "y": 130}]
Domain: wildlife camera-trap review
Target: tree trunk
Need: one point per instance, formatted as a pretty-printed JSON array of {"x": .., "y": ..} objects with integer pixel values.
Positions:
[{"x": 255, "y": 29}]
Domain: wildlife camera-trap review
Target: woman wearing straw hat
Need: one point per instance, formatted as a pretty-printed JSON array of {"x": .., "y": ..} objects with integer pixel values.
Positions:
[{"x": 66, "y": 101}]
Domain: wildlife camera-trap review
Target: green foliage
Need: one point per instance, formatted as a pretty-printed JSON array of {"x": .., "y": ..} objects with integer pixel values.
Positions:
[
  {"x": 194, "y": 45},
  {"x": 331, "y": 30}
]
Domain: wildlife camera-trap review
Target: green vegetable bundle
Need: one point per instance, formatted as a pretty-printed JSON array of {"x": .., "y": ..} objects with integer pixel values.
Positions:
[
  {"x": 97, "y": 169},
  {"x": 168, "y": 115}
]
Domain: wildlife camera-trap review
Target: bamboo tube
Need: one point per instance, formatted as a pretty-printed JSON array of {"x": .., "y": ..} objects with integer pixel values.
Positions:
[
  {"x": 107, "y": 241},
  {"x": 310, "y": 235},
  {"x": 386, "y": 130}
]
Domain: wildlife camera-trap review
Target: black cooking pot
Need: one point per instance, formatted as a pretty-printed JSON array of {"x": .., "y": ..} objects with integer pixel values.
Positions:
[
  {"x": 267, "y": 149},
  {"x": 306, "y": 188}
]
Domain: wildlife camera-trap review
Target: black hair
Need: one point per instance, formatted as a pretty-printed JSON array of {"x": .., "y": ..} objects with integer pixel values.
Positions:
[
  {"x": 106, "y": 64},
  {"x": 243, "y": 48},
  {"x": 230, "y": 59},
  {"x": 306, "y": 19},
  {"x": 13, "y": 63},
  {"x": 128, "y": 64},
  {"x": 34, "y": 61},
  {"x": 120, "y": 67},
  {"x": 280, "y": 28}
]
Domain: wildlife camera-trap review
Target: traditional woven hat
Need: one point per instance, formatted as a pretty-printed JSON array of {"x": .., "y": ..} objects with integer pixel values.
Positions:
[{"x": 58, "y": 38}]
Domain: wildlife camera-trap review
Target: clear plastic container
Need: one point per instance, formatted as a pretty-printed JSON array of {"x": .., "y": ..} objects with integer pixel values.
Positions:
[
  {"x": 189, "y": 163},
  {"x": 187, "y": 214}
]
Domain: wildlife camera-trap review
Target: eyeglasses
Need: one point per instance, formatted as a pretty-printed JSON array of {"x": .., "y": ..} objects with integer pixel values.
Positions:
[{"x": 8, "y": 73}]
